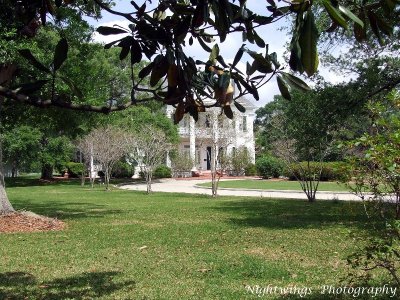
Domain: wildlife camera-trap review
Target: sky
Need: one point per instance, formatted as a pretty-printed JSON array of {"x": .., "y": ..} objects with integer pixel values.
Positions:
[{"x": 271, "y": 34}]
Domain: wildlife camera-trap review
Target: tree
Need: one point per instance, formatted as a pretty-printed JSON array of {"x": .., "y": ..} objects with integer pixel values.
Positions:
[
  {"x": 375, "y": 171},
  {"x": 21, "y": 145},
  {"x": 220, "y": 134},
  {"x": 239, "y": 161},
  {"x": 151, "y": 146},
  {"x": 109, "y": 145},
  {"x": 85, "y": 146},
  {"x": 160, "y": 32},
  {"x": 181, "y": 163},
  {"x": 54, "y": 152}
]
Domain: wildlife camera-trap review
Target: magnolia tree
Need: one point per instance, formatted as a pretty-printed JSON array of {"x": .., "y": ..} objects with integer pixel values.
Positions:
[
  {"x": 151, "y": 146},
  {"x": 107, "y": 145}
]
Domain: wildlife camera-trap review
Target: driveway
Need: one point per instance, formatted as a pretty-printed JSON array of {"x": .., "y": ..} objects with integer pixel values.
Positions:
[{"x": 190, "y": 187}]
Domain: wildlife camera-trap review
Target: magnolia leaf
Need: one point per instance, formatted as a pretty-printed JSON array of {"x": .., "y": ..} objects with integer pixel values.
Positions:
[
  {"x": 360, "y": 32},
  {"x": 283, "y": 88},
  {"x": 228, "y": 111},
  {"x": 334, "y": 14},
  {"x": 214, "y": 53},
  {"x": 203, "y": 44},
  {"x": 351, "y": 16},
  {"x": 238, "y": 56},
  {"x": 295, "y": 82},
  {"x": 374, "y": 26},
  {"x": 146, "y": 70},
  {"x": 240, "y": 107},
  {"x": 105, "y": 30},
  {"x": 26, "y": 53},
  {"x": 179, "y": 112},
  {"x": 308, "y": 44},
  {"x": 60, "y": 54}
]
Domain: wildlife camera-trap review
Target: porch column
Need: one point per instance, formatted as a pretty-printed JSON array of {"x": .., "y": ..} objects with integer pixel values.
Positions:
[
  {"x": 168, "y": 160},
  {"x": 192, "y": 142}
]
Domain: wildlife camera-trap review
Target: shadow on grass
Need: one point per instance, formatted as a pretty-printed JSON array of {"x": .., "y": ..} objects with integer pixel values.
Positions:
[
  {"x": 288, "y": 214},
  {"x": 29, "y": 181},
  {"x": 20, "y": 285},
  {"x": 65, "y": 210}
]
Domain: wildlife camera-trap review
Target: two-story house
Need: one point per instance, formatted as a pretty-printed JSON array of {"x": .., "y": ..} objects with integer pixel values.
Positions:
[{"x": 198, "y": 138}]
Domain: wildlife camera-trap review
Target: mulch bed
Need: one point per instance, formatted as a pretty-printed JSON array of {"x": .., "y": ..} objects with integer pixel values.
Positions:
[{"x": 28, "y": 222}]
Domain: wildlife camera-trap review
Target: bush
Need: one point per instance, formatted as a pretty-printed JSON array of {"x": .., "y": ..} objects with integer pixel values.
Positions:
[
  {"x": 250, "y": 170},
  {"x": 122, "y": 170},
  {"x": 75, "y": 169},
  {"x": 162, "y": 172},
  {"x": 181, "y": 163},
  {"x": 330, "y": 170},
  {"x": 269, "y": 166},
  {"x": 239, "y": 161}
]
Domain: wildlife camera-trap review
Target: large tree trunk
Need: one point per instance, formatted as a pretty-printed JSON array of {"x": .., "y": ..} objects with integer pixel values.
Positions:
[
  {"x": 6, "y": 74},
  {"x": 47, "y": 171},
  {"x": 5, "y": 205}
]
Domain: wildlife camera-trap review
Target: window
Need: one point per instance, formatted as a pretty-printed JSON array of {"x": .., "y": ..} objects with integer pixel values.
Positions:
[
  {"x": 197, "y": 159},
  {"x": 244, "y": 121},
  {"x": 185, "y": 122},
  {"x": 207, "y": 123},
  {"x": 186, "y": 150}
]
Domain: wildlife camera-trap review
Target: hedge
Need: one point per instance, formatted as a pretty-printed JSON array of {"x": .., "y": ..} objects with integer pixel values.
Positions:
[{"x": 269, "y": 166}]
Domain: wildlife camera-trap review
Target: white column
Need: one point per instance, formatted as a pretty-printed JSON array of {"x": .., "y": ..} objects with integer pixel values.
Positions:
[
  {"x": 192, "y": 142},
  {"x": 168, "y": 160}
]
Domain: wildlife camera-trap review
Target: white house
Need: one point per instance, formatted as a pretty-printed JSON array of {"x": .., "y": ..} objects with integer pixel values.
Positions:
[{"x": 197, "y": 140}]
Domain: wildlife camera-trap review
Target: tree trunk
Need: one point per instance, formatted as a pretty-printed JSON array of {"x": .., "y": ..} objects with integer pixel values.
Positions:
[
  {"x": 83, "y": 178},
  {"x": 6, "y": 74},
  {"x": 107, "y": 177},
  {"x": 148, "y": 181},
  {"x": 214, "y": 187},
  {"x": 47, "y": 172},
  {"x": 5, "y": 205}
]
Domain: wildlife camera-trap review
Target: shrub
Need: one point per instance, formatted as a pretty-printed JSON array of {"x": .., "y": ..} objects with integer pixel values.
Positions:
[
  {"x": 250, "y": 170},
  {"x": 330, "y": 170},
  {"x": 269, "y": 166},
  {"x": 122, "y": 170},
  {"x": 162, "y": 172},
  {"x": 240, "y": 160},
  {"x": 75, "y": 169},
  {"x": 181, "y": 163}
]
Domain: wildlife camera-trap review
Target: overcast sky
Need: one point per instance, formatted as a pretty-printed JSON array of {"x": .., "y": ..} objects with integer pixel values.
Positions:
[{"x": 270, "y": 33}]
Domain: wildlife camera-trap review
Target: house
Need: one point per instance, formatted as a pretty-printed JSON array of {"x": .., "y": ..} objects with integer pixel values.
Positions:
[{"x": 198, "y": 139}]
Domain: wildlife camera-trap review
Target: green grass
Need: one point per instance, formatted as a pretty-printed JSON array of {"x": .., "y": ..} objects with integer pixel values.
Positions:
[
  {"x": 128, "y": 245},
  {"x": 261, "y": 184}
]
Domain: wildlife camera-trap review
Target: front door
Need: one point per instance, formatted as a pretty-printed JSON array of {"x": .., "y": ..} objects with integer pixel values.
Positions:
[{"x": 208, "y": 158}]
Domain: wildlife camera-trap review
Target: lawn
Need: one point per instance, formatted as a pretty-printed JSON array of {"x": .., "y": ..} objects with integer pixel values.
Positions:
[
  {"x": 128, "y": 245},
  {"x": 261, "y": 184}
]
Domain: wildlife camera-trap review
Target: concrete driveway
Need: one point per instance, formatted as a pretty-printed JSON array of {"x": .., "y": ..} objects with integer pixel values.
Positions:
[{"x": 190, "y": 187}]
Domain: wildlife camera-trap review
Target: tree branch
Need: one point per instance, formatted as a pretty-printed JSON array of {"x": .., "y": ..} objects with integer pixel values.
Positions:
[
  {"x": 387, "y": 86},
  {"x": 34, "y": 101}
]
